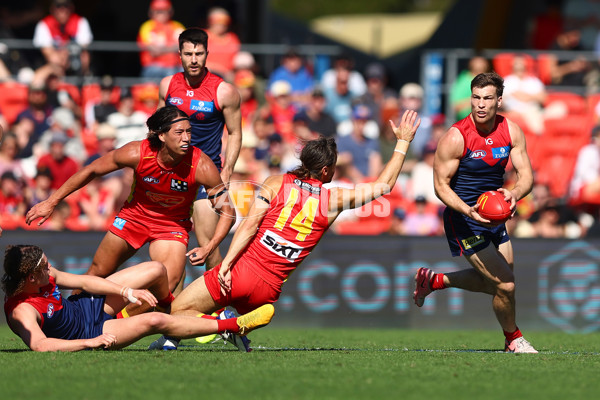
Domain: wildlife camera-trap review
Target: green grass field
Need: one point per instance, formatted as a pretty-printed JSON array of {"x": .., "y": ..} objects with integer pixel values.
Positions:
[{"x": 313, "y": 364}]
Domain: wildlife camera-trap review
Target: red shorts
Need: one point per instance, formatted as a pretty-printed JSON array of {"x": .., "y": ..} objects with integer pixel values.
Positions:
[
  {"x": 137, "y": 233},
  {"x": 248, "y": 290}
]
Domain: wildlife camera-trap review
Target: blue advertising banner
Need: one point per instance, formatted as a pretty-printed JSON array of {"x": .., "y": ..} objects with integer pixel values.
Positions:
[{"x": 367, "y": 281}]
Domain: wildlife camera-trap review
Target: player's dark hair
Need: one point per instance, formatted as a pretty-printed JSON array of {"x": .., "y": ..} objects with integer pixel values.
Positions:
[
  {"x": 194, "y": 36},
  {"x": 488, "y": 79},
  {"x": 160, "y": 122},
  {"x": 20, "y": 261},
  {"x": 315, "y": 155}
]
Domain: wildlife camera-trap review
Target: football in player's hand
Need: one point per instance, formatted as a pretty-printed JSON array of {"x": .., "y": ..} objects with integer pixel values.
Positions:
[{"x": 492, "y": 206}]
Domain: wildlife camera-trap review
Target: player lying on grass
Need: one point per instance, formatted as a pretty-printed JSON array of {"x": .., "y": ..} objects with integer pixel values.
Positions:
[
  {"x": 45, "y": 321},
  {"x": 286, "y": 221}
]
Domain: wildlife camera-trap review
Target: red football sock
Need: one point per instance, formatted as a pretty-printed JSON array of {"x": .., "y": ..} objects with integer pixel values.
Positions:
[
  {"x": 229, "y": 325},
  {"x": 166, "y": 302},
  {"x": 510, "y": 336},
  {"x": 437, "y": 282}
]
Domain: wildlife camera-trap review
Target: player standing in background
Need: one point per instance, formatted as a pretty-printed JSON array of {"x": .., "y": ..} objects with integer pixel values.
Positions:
[
  {"x": 286, "y": 221},
  {"x": 211, "y": 104},
  {"x": 45, "y": 321},
  {"x": 168, "y": 172},
  {"x": 470, "y": 159}
]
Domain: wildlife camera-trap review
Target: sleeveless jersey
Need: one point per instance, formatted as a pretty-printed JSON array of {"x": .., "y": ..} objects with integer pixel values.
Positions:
[
  {"x": 60, "y": 318},
  {"x": 484, "y": 159},
  {"x": 62, "y": 35},
  {"x": 294, "y": 224},
  {"x": 200, "y": 104},
  {"x": 159, "y": 193}
]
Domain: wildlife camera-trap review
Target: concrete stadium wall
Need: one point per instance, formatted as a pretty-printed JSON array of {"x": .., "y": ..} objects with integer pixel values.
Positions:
[{"x": 367, "y": 281}]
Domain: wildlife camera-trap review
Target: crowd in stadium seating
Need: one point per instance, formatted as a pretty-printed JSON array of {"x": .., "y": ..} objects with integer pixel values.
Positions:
[{"x": 52, "y": 128}]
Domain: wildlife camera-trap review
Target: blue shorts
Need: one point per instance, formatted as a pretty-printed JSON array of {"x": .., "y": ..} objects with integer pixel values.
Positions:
[
  {"x": 202, "y": 194},
  {"x": 92, "y": 310},
  {"x": 467, "y": 237}
]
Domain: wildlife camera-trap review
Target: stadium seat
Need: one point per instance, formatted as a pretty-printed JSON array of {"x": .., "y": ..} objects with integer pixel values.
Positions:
[
  {"x": 544, "y": 72},
  {"x": 502, "y": 63},
  {"x": 145, "y": 96},
  {"x": 13, "y": 100},
  {"x": 576, "y": 104}
]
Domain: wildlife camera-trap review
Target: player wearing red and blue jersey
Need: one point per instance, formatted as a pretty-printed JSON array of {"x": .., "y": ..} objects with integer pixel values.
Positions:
[
  {"x": 212, "y": 105},
  {"x": 286, "y": 221},
  {"x": 45, "y": 321},
  {"x": 470, "y": 159}
]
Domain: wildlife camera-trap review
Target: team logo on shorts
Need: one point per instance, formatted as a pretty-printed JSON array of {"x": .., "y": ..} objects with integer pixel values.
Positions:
[
  {"x": 119, "y": 223},
  {"x": 50, "y": 310},
  {"x": 280, "y": 246},
  {"x": 500, "y": 152},
  {"x": 176, "y": 101},
  {"x": 178, "y": 185},
  {"x": 472, "y": 241},
  {"x": 202, "y": 106}
]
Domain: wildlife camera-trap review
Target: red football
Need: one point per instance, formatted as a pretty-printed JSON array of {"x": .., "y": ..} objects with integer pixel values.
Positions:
[{"x": 492, "y": 206}]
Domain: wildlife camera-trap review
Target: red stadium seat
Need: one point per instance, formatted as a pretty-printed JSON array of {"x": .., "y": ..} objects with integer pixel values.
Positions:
[
  {"x": 576, "y": 104},
  {"x": 544, "y": 72},
  {"x": 13, "y": 100},
  {"x": 502, "y": 63}
]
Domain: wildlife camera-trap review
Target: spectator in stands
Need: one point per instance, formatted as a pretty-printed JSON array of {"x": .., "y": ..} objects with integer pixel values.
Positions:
[
  {"x": 244, "y": 61},
  {"x": 282, "y": 111},
  {"x": 317, "y": 120},
  {"x": 158, "y": 40},
  {"x": 224, "y": 44},
  {"x": 357, "y": 152},
  {"x": 97, "y": 112},
  {"x": 293, "y": 71},
  {"x": 244, "y": 81},
  {"x": 340, "y": 98},
  {"x": 422, "y": 176},
  {"x": 460, "y": 91},
  {"x": 356, "y": 82},
  {"x": 585, "y": 183},
  {"x": 412, "y": 98},
  {"x": 9, "y": 149},
  {"x": 12, "y": 202},
  {"x": 41, "y": 189},
  {"x": 524, "y": 95},
  {"x": 378, "y": 96},
  {"x": 129, "y": 123},
  {"x": 63, "y": 37},
  {"x": 422, "y": 221},
  {"x": 397, "y": 222},
  {"x": 63, "y": 122},
  {"x": 569, "y": 72},
  {"x": 60, "y": 165},
  {"x": 33, "y": 121}
]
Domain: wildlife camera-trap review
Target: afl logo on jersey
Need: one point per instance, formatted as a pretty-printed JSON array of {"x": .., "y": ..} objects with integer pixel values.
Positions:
[
  {"x": 50, "y": 310},
  {"x": 176, "y": 101},
  {"x": 150, "y": 179},
  {"x": 478, "y": 154}
]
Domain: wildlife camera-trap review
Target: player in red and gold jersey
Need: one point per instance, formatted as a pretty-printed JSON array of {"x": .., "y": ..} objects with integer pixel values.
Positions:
[
  {"x": 168, "y": 172},
  {"x": 286, "y": 221}
]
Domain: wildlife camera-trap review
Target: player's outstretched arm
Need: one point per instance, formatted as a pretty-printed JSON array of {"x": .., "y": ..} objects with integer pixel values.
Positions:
[
  {"x": 127, "y": 155},
  {"x": 342, "y": 199}
]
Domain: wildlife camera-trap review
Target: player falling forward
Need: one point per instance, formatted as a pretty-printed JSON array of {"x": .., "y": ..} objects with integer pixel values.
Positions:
[
  {"x": 286, "y": 221},
  {"x": 470, "y": 159},
  {"x": 45, "y": 321}
]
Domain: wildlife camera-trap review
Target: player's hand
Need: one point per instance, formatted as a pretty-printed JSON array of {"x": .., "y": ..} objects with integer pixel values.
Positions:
[
  {"x": 509, "y": 196},
  {"x": 41, "y": 210},
  {"x": 225, "y": 177},
  {"x": 225, "y": 278},
  {"x": 145, "y": 295},
  {"x": 474, "y": 215},
  {"x": 198, "y": 255},
  {"x": 106, "y": 341},
  {"x": 409, "y": 123}
]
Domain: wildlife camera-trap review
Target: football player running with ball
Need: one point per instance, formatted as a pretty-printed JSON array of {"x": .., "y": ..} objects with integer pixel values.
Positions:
[{"x": 470, "y": 159}]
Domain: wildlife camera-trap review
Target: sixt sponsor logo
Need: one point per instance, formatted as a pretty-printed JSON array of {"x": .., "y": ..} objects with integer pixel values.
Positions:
[
  {"x": 307, "y": 186},
  {"x": 176, "y": 101},
  {"x": 280, "y": 246},
  {"x": 202, "y": 106},
  {"x": 478, "y": 154},
  {"x": 150, "y": 179},
  {"x": 472, "y": 241}
]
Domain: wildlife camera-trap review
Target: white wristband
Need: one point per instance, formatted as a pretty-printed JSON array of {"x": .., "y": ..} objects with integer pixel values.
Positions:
[
  {"x": 399, "y": 151},
  {"x": 402, "y": 140},
  {"x": 130, "y": 296}
]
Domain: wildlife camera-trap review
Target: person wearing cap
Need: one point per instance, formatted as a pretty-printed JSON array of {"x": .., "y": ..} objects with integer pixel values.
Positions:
[
  {"x": 96, "y": 111},
  {"x": 60, "y": 28},
  {"x": 61, "y": 166},
  {"x": 32, "y": 122},
  {"x": 422, "y": 220},
  {"x": 471, "y": 159},
  {"x": 412, "y": 98},
  {"x": 12, "y": 202},
  {"x": 281, "y": 108},
  {"x": 168, "y": 172},
  {"x": 158, "y": 40},
  {"x": 129, "y": 122},
  {"x": 244, "y": 81},
  {"x": 359, "y": 153},
  {"x": 293, "y": 71},
  {"x": 316, "y": 118},
  {"x": 356, "y": 81},
  {"x": 378, "y": 96},
  {"x": 224, "y": 44},
  {"x": 213, "y": 105}
]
